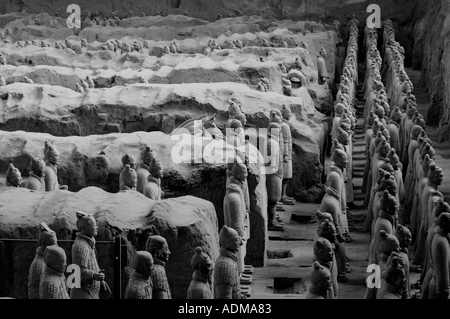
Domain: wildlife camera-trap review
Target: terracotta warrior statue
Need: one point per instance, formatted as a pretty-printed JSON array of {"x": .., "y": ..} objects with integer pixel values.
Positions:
[
  {"x": 439, "y": 287},
  {"x": 53, "y": 282},
  {"x": 129, "y": 178},
  {"x": 439, "y": 207},
  {"x": 46, "y": 237},
  {"x": 324, "y": 254},
  {"x": 274, "y": 175},
  {"x": 321, "y": 282},
  {"x": 226, "y": 272},
  {"x": 435, "y": 178},
  {"x": 147, "y": 155},
  {"x": 200, "y": 286},
  {"x": 336, "y": 180},
  {"x": 403, "y": 235},
  {"x": 37, "y": 172},
  {"x": 287, "y": 154},
  {"x": 387, "y": 243},
  {"x": 139, "y": 284},
  {"x": 321, "y": 66},
  {"x": 393, "y": 280},
  {"x": 127, "y": 159},
  {"x": 85, "y": 256},
  {"x": 158, "y": 247},
  {"x": 234, "y": 209},
  {"x": 13, "y": 176},
  {"x": 152, "y": 189}
]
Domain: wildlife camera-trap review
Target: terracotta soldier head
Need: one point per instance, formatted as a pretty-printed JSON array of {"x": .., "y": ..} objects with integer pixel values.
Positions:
[
  {"x": 388, "y": 183},
  {"x": 395, "y": 272},
  {"x": 242, "y": 118},
  {"x": 286, "y": 112},
  {"x": 384, "y": 132},
  {"x": 383, "y": 148},
  {"x": 394, "y": 159},
  {"x": 37, "y": 166},
  {"x": 143, "y": 263},
  {"x": 46, "y": 236},
  {"x": 371, "y": 119},
  {"x": 323, "y": 52},
  {"x": 410, "y": 110},
  {"x": 339, "y": 108},
  {"x": 129, "y": 177},
  {"x": 441, "y": 207},
  {"x": 387, "y": 166},
  {"x": 156, "y": 169},
  {"x": 323, "y": 249},
  {"x": 388, "y": 203},
  {"x": 426, "y": 164},
  {"x": 13, "y": 176},
  {"x": 51, "y": 153},
  {"x": 376, "y": 125},
  {"x": 328, "y": 231},
  {"x": 321, "y": 277},
  {"x": 233, "y": 108},
  {"x": 339, "y": 157},
  {"x": 128, "y": 159},
  {"x": 147, "y": 155},
  {"x": 276, "y": 116},
  {"x": 420, "y": 121},
  {"x": 343, "y": 136},
  {"x": 443, "y": 222},
  {"x": 338, "y": 145},
  {"x": 202, "y": 263},
  {"x": 388, "y": 243},
  {"x": 158, "y": 247},
  {"x": 435, "y": 174},
  {"x": 229, "y": 239},
  {"x": 55, "y": 258},
  {"x": 403, "y": 235},
  {"x": 415, "y": 132},
  {"x": 322, "y": 216},
  {"x": 396, "y": 115},
  {"x": 86, "y": 224}
]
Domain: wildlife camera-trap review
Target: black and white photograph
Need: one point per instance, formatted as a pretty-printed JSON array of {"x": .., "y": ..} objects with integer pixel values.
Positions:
[{"x": 254, "y": 152}]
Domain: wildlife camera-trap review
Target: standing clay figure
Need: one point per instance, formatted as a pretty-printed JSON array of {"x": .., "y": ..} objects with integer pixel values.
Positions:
[
  {"x": 13, "y": 176},
  {"x": 147, "y": 156},
  {"x": 80, "y": 89},
  {"x": 53, "y": 282},
  {"x": 403, "y": 235},
  {"x": 287, "y": 154},
  {"x": 85, "y": 256},
  {"x": 159, "y": 249},
  {"x": 139, "y": 285},
  {"x": 321, "y": 282},
  {"x": 129, "y": 179},
  {"x": 234, "y": 209},
  {"x": 324, "y": 254},
  {"x": 152, "y": 189},
  {"x": 46, "y": 237},
  {"x": 439, "y": 287},
  {"x": 37, "y": 172},
  {"x": 90, "y": 82},
  {"x": 439, "y": 207},
  {"x": 200, "y": 286},
  {"x": 226, "y": 272},
  {"x": 336, "y": 180},
  {"x": 2, "y": 81},
  {"x": 435, "y": 178},
  {"x": 84, "y": 84},
  {"x": 321, "y": 66},
  {"x": 274, "y": 175},
  {"x": 51, "y": 168}
]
